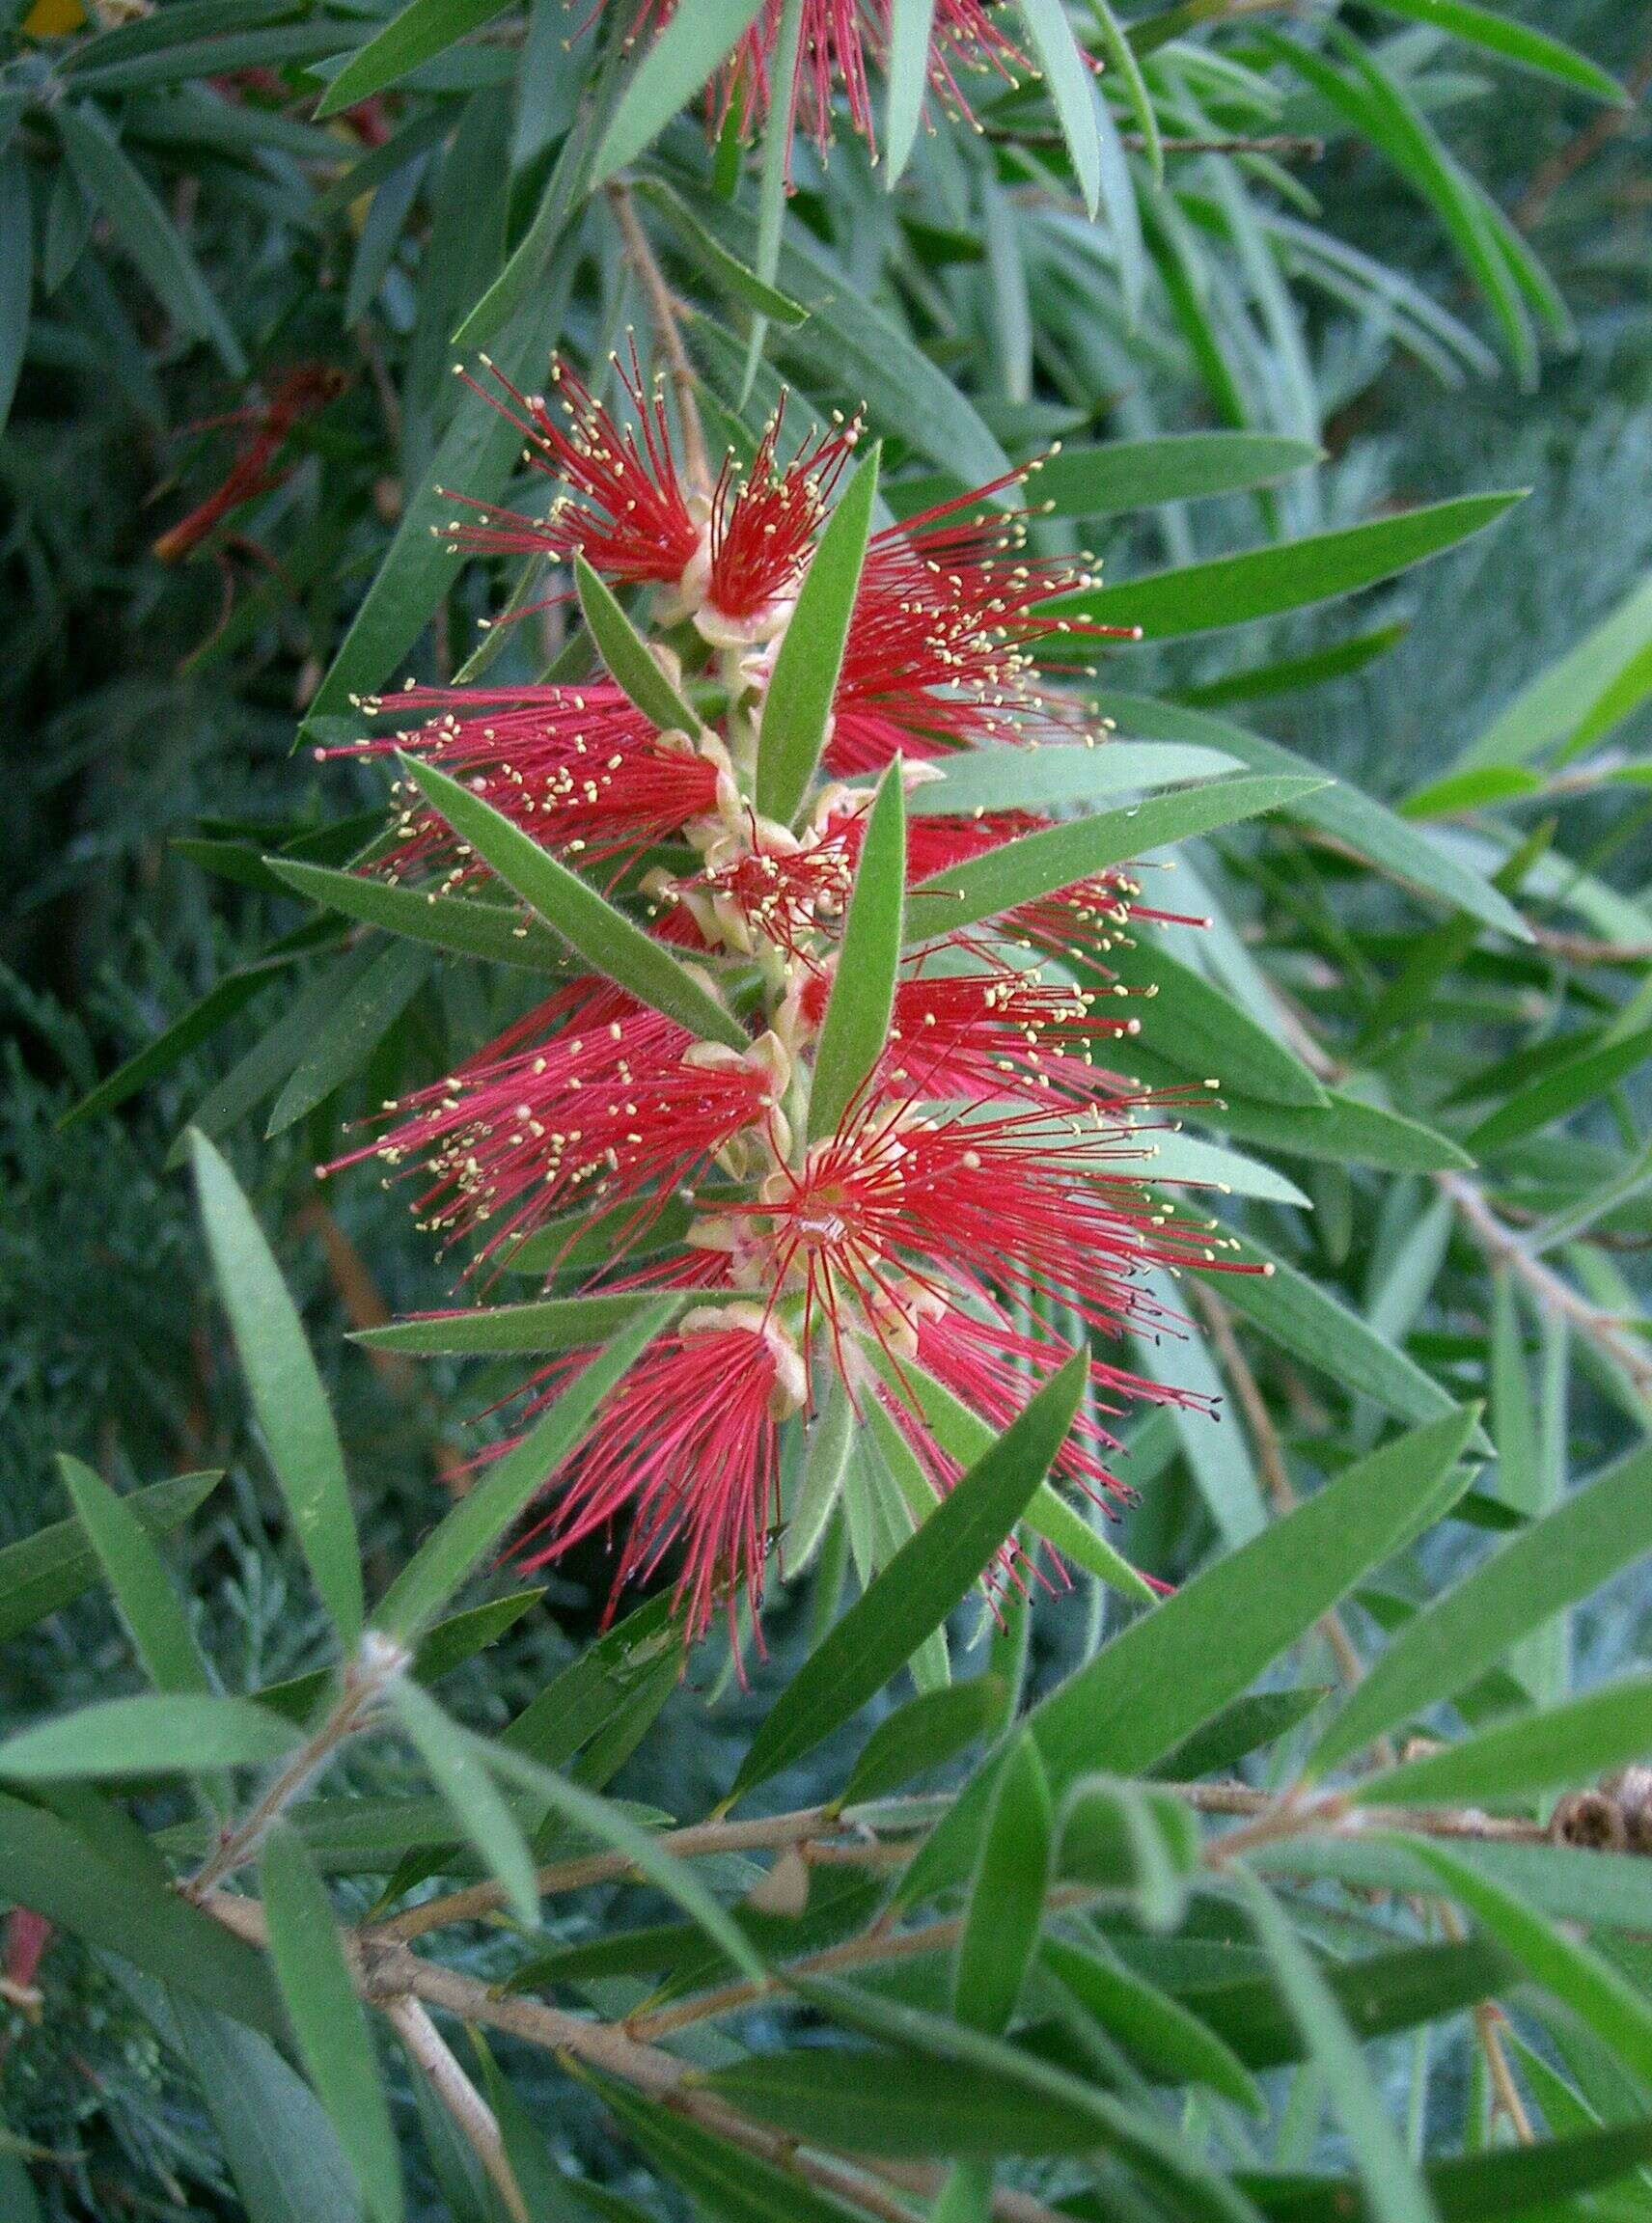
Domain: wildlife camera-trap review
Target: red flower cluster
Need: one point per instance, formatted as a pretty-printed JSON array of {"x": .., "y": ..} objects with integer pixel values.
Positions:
[{"x": 986, "y": 1177}]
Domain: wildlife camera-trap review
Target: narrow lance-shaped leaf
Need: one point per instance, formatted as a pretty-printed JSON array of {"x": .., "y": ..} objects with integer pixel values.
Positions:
[
  {"x": 328, "y": 2020},
  {"x": 1168, "y": 2039},
  {"x": 855, "y": 1029},
  {"x": 1057, "y": 857},
  {"x": 465, "y": 1536},
  {"x": 1520, "y": 43},
  {"x": 422, "y": 29},
  {"x": 293, "y": 1415},
  {"x": 797, "y": 706},
  {"x": 142, "y": 1589},
  {"x": 454, "y": 1764},
  {"x": 455, "y": 923},
  {"x": 46, "y": 1570},
  {"x": 1573, "y": 1742},
  {"x": 175, "y": 1733},
  {"x": 699, "y": 36},
  {"x": 775, "y": 178},
  {"x": 911, "y": 22},
  {"x": 1121, "y": 57},
  {"x": 604, "y": 937},
  {"x": 1006, "y": 1895},
  {"x": 631, "y": 663},
  {"x": 552, "y": 1324},
  {"x": 1393, "y": 2192},
  {"x": 1066, "y": 72},
  {"x": 928, "y": 1576},
  {"x": 1174, "y": 1668},
  {"x": 1551, "y": 1565}
]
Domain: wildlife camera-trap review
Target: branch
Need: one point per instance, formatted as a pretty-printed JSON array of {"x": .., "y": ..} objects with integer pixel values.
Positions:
[
  {"x": 668, "y": 331},
  {"x": 469, "y": 2112}
]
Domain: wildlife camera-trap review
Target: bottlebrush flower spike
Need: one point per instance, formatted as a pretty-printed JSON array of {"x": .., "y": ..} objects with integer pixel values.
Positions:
[
  {"x": 579, "y": 768},
  {"x": 592, "y": 1100}
]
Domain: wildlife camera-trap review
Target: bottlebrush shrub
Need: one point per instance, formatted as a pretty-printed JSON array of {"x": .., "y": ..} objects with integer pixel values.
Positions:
[{"x": 775, "y": 973}]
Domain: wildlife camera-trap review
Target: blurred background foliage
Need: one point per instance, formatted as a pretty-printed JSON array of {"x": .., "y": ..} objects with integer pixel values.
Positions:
[{"x": 154, "y": 689}]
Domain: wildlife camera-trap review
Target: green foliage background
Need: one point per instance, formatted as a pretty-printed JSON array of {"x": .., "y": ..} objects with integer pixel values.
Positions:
[{"x": 154, "y": 710}]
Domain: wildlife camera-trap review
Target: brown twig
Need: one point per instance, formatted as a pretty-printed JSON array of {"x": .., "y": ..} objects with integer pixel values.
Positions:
[
  {"x": 467, "y": 2110},
  {"x": 668, "y": 331},
  {"x": 1583, "y": 147}
]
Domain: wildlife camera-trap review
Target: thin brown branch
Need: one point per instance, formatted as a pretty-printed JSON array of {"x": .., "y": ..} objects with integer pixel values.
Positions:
[
  {"x": 467, "y": 2110},
  {"x": 1581, "y": 149},
  {"x": 668, "y": 331},
  {"x": 1583, "y": 950}
]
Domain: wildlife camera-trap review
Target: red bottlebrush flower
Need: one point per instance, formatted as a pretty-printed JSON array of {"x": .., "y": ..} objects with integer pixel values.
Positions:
[
  {"x": 302, "y": 392},
  {"x": 685, "y": 1450},
  {"x": 838, "y": 40},
  {"x": 578, "y": 768},
  {"x": 590, "y": 1100},
  {"x": 730, "y": 554}
]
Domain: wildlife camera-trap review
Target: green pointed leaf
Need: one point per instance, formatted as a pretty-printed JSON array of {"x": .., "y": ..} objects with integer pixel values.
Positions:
[
  {"x": 351, "y": 1032},
  {"x": 132, "y": 1567},
  {"x": 292, "y": 1411},
  {"x": 1547, "y": 1750},
  {"x": 830, "y": 1445},
  {"x": 458, "y": 924},
  {"x": 1579, "y": 1082},
  {"x": 1288, "y": 575},
  {"x": 725, "y": 2181},
  {"x": 1059, "y": 774},
  {"x": 144, "y": 228},
  {"x": 725, "y": 271},
  {"x": 57, "y": 1563},
  {"x": 1612, "y": 2008},
  {"x": 631, "y": 664},
  {"x": 698, "y": 38},
  {"x": 1550, "y": 1565},
  {"x": 1056, "y": 857},
  {"x": 1393, "y": 2192},
  {"x": 465, "y": 1535},
  {"x": 1545, "y": 712},
  {"x": 1174, "y": 1668},
  {"x": 1489, "y": 2188},
  {"x": 1528, "y": 48},
  {"x": 855, "y": 1031},
  {"x": 928, "y": 1730},
  {"x": 927, "y": 1576},
  {"x": 553, "y": 1324},
  {"x": 442, "y": 1649},
  {"x": 1118, "y": 475},
  {"x": 1170, "y": 2043},
  {"x": 1006, "y": 1894},
  {"x": 911, "y": 23},
  {"x": 797, "y": 704},
  {"x": 328, "y": 2020},
  {"x": 456, "y": 1765},
  {"x": 1121, "y": 57},
  {"x": 422, "y": 29},
  {"x": 280, "y": 2148},
  {"x": 170, "y": 1734},
  {"x": 604, "y": 937},
  {"x": 1205, "y": 1031},
  {"x": 1065, "y": 70}
]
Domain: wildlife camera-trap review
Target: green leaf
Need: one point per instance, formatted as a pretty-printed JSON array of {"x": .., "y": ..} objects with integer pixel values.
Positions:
[
  {"x": 450, "y": 922},
  {"x": 456, "y": 1762},
  {"x": 928, "y": 1730},
  {"x": 1066, "y": 72},
  {"x": 142, "y": 1589},
  {"x": 125, "y": 1905},
  {"x": 329, "y": 2021},
  {"x": 1118, "y": 475},
  {"x": 1547, "y": 1750},
  {"x": 797, "y": 703},
  {"x": 1170, "y": 2043},
  {"x": 1589, "y": 1986},
  {"x": 724, "y": 270},
  {"x": 1377, "y": 834},
  {"x": 57, "y": 1563},
  {"x": 293, "y": 1416},
  {"x": 1121, "y": 57},
  {"x": 466, "y": 1534},
  {"x": 1174, "y": 1668},
  {"x": 1290, "y": 674},
  {"x": 1393, "y": 2192},
  {"x": 1545, "y": 712},
  {"x": 861, "y": 1004},
  {"x": 1058, "y": 774},
  {"x": 1305, "y": 1320},
  {"x": 724, "y": 2180},
  {"x": 422, "y": 29},
  {"x": 553, "y": 1324},
  {"x": 1072, "y": 1535},
  {"x": 1204, "y": 1028},
  {"x": 1240, "y": 1729},
  {"x": 1056, "y": 857},
  {"x": 351, "y": 1032},
  {"x": 1489, "y": 2188},
  {"x": 926, "y": 1578},
  {"x": 1601, "y": 1890},
  {"x": 911, "y": 24},
  {"x": 829, "y": 1445},
  {"x": 1006, "y": 1894},
  {"x": 1576, "y": 1083},
  {"x": 630, "y": 662},
  {"x": 1517, "y": 43},
  {"x": 604, "y": 937},
  {"x": 1550, "y": 1565},
  {"x": 280, "y": 2148},
  {"x": 475, "y": 453},
  {"x": 1379, "y": 1994},
  {"x": 654, "y": 1862},
  {"x": 156, "y": 1734},
  {"x": 1124, "y": 1837},
  {"x": 698, "y": 37},
  {"x": 444, "y": 1647},
  {"x": 16, "y": 271},
  {"x": 144, "y": 228},
  {"x": 1288, "y": 575}
]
